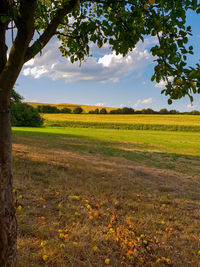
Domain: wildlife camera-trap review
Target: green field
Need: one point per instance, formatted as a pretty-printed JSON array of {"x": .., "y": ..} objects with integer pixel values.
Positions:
[
  {"x": 89, "y": 196},
  {"x": 127, "y": 122},
  {"x": 185, "y": 143}
]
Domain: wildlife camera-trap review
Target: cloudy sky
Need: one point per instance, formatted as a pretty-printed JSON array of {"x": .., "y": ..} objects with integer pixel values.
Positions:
[{"x": 106, "y": 79}]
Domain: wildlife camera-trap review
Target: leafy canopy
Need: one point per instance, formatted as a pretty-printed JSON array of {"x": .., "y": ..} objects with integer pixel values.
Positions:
[{"x": 121, "y": 24}]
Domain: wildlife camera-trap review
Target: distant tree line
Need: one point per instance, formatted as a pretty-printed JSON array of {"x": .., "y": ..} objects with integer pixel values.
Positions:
[
  {"x": 127, "y": 110},
  {"x": 17, "y": 105},
  {"x": 97, "y": 111},
  {"x": 23, "y": 114},
  {"x": 54, "y": 109},
  {"x": 124, "y": 110}
]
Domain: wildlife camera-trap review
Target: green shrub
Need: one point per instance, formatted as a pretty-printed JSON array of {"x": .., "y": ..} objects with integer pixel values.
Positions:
[{"x": 25, "y": 115}]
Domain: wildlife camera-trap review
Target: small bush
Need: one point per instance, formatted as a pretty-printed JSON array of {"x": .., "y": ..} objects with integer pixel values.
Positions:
[{"x": 25, "y": 115}]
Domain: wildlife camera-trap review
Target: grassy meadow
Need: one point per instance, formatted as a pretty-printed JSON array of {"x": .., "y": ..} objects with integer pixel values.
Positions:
[{"x": 94, "y": 196}]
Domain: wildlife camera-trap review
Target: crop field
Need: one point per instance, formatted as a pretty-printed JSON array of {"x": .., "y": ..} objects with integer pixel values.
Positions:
[
  {"x": 95, "y": 196},
  {"x": 127, "y": 122},
  {"x": 190, "y": 120}
]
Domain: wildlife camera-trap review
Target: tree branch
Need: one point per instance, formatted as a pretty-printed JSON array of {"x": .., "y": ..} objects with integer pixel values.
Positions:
[
  {"x": 50, "y": 31},
  {"x": 25, "y": 33},
  {"x": 3, "y": 50}
]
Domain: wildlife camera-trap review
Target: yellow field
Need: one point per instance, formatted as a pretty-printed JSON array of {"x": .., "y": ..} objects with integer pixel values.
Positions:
[{"x": 185, "y": 120}]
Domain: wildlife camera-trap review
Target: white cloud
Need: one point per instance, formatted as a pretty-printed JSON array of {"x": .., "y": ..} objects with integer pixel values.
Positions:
[
  {"x": 143, "y": 102},
  {"x": 110, "y": 59},
  {"x": 163, "y": 83},
  {"x": 191, "y": 106},
  {"x": 147, "y": 101},
  {"x": 100, "y": 104},
  {"x": 36, "y": 72},
  {"x": 137, "y": 103},
  {"x": 104, "y": 67},
  {"x": 30, "y": 62}
]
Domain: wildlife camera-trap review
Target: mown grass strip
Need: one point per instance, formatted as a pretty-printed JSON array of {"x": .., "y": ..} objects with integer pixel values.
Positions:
[{"x": 185, "y": 143}]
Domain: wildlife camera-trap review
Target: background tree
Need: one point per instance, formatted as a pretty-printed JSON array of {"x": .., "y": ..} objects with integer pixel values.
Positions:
[
  {"x": 25, "y": 115},
  {"x": 78, "y": 110},
  {"x": 15, "y": 97},
  {"x": 47, "y": 109},
  {"x": 65, "y": 110},
  {"x": 127, "y": 110},
  {"x": 121, "y": 23},
  {"x": 164, "y": 111},
  {"x": 103, "y": 111},
  {"x": 95, "y": 111}
]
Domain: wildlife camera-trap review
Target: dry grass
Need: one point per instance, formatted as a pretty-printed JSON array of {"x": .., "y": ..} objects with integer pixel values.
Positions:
[{"x": 80, "y": 208}]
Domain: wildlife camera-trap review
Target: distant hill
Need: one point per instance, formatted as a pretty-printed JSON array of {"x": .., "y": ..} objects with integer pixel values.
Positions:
[{"x": 86, "y": 108}]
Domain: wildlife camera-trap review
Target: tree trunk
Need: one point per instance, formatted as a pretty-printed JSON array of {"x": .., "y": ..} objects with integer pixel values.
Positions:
[
  {"x": 8, "y": 224},
  {"x": 9, "y": 71}
]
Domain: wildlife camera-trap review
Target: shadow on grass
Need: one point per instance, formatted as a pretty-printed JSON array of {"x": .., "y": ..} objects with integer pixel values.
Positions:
[
  {"x": 56, "y": 167},
  {"x": 137, "y": 152},
  {"x": 123, "y": 155}
]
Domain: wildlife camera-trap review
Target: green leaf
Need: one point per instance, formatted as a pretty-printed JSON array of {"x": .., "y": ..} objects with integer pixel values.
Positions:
[
  {"x": 4, "y": 19},
  {"x": 169, "y": 101}
]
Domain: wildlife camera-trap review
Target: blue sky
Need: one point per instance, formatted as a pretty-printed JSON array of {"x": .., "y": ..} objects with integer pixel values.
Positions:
[{"x": 104, "y": 79}]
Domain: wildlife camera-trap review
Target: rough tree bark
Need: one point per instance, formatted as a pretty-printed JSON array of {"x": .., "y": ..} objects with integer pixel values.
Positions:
[
  {"x": 8, "y": 226},
  {"x": 9, "y": 71}
]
